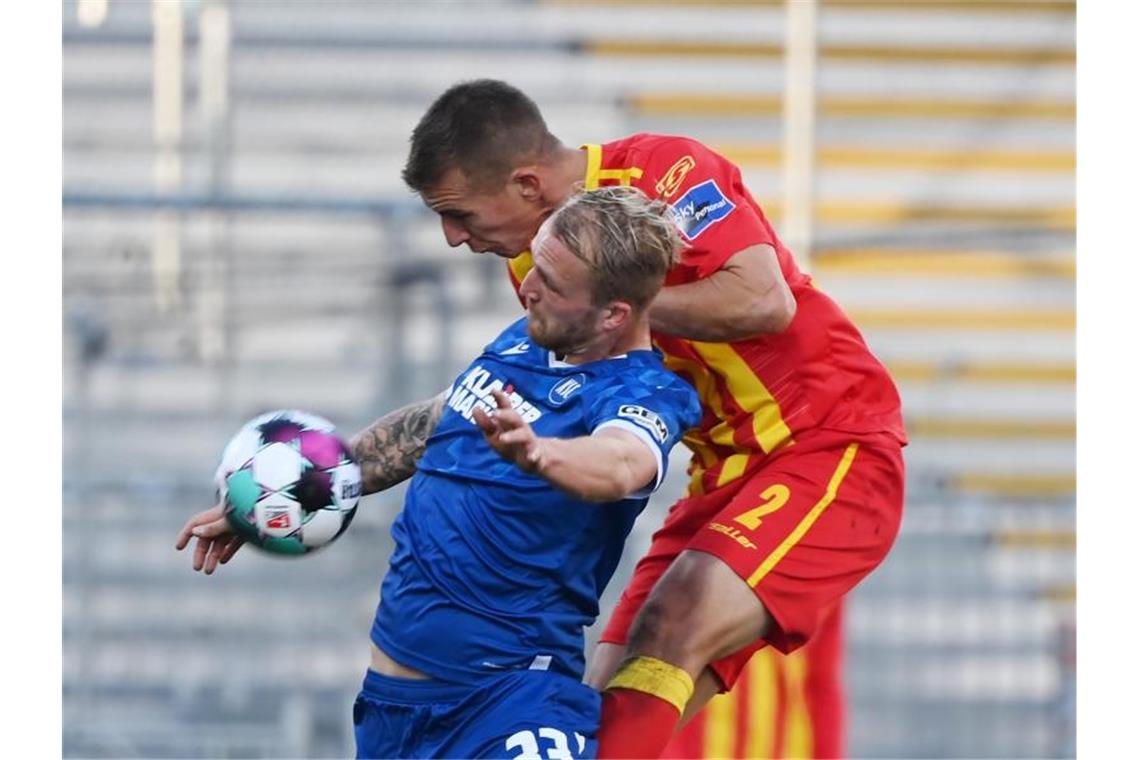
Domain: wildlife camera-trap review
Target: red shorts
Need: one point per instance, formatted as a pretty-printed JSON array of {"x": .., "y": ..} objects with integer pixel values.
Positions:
[{"x": 801, "y": 530}]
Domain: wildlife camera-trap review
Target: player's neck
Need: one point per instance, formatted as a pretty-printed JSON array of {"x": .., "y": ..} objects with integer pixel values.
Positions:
[
  {"x": 569, "y": 172},
  {"x": 634, "y": 338}
]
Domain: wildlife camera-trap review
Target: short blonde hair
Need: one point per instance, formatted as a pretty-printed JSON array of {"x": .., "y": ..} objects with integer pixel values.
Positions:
[{"x": 628, "y": 241}]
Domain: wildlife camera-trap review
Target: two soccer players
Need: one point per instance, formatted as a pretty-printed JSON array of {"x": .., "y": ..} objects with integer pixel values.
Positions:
[{"x": 796, "y": 485}]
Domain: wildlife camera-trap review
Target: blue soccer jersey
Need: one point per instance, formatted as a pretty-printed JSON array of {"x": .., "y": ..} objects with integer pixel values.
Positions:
[{"x": 496, "y": 569}]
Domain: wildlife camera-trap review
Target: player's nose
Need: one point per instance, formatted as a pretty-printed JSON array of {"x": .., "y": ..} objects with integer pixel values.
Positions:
[
  {"x": 454, "y": 232},
  {"x": 527, "y": 290}
]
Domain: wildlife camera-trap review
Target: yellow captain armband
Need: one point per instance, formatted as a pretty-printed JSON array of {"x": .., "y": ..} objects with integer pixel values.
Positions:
[{"x": 655, "y": 677}]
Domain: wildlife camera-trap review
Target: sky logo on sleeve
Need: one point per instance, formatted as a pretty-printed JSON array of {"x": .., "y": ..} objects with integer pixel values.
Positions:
[{"x": 700, "y": 208}]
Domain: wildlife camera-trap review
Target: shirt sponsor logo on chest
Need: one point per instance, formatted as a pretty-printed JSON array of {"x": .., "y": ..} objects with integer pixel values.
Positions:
[{"x": 475, "y": 390}]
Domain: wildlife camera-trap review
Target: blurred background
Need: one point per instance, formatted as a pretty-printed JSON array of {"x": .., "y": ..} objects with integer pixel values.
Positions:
[{"x": 236, "y": 238}]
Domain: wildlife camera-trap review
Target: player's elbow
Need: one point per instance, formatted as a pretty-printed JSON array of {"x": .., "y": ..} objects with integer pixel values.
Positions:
[
  {"x": 760, "y": 314},
  {"x": 777, "y": 311},
  {"x": 601, "y": 490}
]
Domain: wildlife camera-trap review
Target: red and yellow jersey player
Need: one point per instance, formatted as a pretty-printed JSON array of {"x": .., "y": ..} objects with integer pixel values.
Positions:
[{"x": 796, "y": 482}]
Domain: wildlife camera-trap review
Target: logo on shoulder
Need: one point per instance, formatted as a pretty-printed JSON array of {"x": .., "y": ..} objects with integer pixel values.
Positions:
[
  {"x": 700, "y": 208},
  {"x": 521, "y": 348},
  {"x": 565, "y": 388},
  {"x": 669, "y": 184},
  {"x": 646, "y": 419}
]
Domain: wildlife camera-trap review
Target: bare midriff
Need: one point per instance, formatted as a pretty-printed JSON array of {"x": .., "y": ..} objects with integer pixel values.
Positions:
[{"x": 385, "y": 665}]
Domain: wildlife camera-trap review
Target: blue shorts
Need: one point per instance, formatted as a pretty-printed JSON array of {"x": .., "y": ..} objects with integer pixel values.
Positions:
[{"x": 518, "y": 714}]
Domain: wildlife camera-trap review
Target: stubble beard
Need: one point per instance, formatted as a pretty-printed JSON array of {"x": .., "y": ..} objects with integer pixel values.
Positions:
[{"x": 570, "y": 339}]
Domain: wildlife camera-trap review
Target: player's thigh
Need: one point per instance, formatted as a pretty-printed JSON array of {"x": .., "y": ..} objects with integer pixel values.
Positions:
[
  {"x": 806, "y": 529},
  {"x": 685, "y": 519},
  {"x": 699, "y": 611}
]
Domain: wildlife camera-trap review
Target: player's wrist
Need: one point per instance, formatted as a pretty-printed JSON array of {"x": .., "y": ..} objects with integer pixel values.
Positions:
[{"x": 536, "y": 458}]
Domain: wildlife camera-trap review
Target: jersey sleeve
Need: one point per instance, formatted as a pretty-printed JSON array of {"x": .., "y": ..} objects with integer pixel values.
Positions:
[
  {"x": 654, "y": 406},
  {"x": 712, "y": 208}
]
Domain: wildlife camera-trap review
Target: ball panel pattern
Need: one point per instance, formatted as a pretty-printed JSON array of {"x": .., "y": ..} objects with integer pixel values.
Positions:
[{"x": 288, "y": 483}]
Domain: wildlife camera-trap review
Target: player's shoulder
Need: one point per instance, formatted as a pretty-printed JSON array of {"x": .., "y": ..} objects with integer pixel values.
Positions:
[
  {"x": 669, "y": 163},
  {"x": 661, "y": 149},
  {"x": 643, "y": 375},
  {"x": 655, "y": 141},
  {"x": 645, "y": 148},
  {"x": 652, "y": 397},
  {"x": 509, "y": 339}
]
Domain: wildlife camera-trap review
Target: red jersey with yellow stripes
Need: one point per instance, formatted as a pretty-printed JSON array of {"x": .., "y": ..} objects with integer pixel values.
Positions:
[{"x": 761, "y": 394}]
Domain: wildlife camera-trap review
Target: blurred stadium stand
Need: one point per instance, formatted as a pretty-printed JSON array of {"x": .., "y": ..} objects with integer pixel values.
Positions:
[{"x": 306, "y": 276}]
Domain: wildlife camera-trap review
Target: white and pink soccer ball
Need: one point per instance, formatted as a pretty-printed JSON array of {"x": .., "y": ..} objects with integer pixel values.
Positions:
[{"x": 288, "y": 483}]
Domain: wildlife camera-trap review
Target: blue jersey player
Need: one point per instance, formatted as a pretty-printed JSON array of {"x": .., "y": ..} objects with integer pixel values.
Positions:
[{"x": 540, "y": 456}]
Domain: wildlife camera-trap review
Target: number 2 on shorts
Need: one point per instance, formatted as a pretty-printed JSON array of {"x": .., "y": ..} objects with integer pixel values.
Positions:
[{"x": 774, "y": 496}]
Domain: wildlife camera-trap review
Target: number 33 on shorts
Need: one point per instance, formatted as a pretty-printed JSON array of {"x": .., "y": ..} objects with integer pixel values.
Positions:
[{"x": 549, "y": 744}]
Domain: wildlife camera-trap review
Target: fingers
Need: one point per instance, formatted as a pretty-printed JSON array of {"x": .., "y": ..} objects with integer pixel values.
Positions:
[
  {"x": 508, "y": 433},
  {"x": 214, "y": 529},
  {"x": 212, "y": 538},
  {"x": 505, "y": 416},
  {"x": 218, "y": 549},
  {"x": 211, "y": 552},
  {"x": 231, "y": 549},
  {"x": 511, "y": 428},
  {"x": 216, "y": 540},
  {"x": 498, "y": 420},
  {"x": 206, "y": 516},
  {"x": 485, "y": 421},
  {"x": 520, "y": 434},
  {"x": 200, "y": 550}
]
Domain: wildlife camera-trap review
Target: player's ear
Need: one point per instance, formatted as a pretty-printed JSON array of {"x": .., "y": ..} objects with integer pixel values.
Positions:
[
  {"x": 617, "y": 314},
  {"x": 527, "y": 182}
]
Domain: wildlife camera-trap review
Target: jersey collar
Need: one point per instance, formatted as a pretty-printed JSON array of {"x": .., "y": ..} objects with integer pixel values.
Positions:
[{"x": 593, "y": 165}]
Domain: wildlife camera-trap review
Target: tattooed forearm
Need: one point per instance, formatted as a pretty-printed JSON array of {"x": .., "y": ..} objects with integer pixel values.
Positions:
[{"x": 387, "y": 449}]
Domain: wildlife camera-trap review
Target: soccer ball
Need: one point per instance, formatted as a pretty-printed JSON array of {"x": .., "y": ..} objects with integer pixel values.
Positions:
[{"x": 288, "y": 483}]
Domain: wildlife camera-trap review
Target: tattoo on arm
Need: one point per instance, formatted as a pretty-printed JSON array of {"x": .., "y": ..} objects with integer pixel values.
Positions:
[{"x": 388, "y": 449}]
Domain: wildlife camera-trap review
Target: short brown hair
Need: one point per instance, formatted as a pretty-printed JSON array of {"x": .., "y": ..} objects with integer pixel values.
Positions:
[
  {"x": 628, "y": 241},
  {"x": 484, "y": 127}
]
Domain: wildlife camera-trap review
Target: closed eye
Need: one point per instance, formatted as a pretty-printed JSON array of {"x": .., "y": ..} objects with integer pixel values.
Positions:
[{"x": 546, "y": 281}]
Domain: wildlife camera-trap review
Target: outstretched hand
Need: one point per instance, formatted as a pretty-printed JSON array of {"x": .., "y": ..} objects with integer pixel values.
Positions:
[
  {"x": 509, "y": 434},
  {"x": 217, "y": 542}
]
